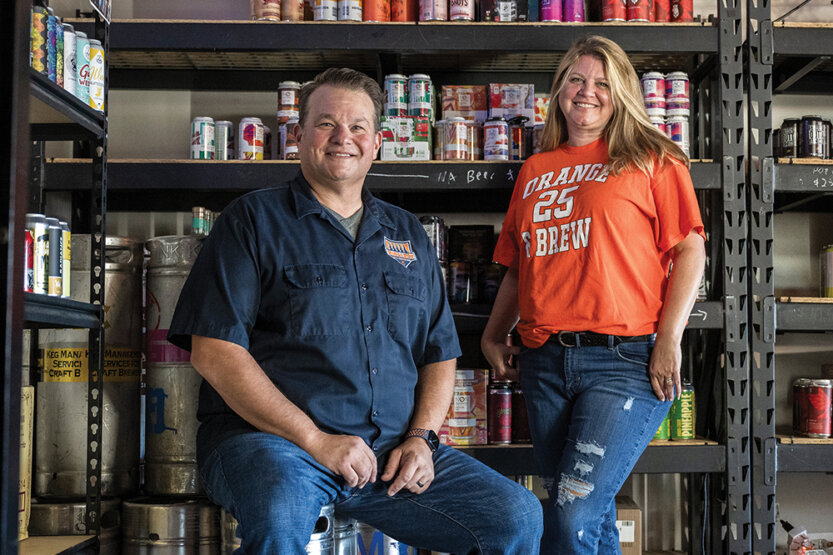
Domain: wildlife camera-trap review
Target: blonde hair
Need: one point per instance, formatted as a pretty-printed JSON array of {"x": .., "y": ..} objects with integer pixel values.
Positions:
[{"x": 632, "y": 140}]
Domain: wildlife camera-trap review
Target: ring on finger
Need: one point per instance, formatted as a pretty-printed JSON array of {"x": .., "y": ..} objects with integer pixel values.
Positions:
[
  {"x": 420, "y": 484},
  {"x": 669, "y": 380}
]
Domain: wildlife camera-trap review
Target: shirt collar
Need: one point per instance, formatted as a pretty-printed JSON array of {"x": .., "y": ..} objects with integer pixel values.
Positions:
[{"x": 306, "y": 203}]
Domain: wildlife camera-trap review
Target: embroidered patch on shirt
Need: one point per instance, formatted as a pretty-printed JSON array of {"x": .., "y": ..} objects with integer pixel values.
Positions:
[{"x": 400, "y": 251}]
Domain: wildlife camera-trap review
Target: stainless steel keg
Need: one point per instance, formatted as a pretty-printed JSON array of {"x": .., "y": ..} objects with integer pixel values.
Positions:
[
  {"x": 172, "y": 383},
  {"x": 321, "y": 542},
  {"x": 158, "y": 526},
  {"x": 61, "y": 413},
  {"x": 68, "y": 518},
  {"x": 346, "y": 541},
  {"x": 372, "y": 540}
]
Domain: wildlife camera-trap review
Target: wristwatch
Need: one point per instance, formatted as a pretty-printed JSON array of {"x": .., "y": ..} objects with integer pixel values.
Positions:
[{"x": 428, "y": 435}]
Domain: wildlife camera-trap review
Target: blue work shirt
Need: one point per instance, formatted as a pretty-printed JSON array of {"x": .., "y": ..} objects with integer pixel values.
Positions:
[{"x": 340, "y": 327}]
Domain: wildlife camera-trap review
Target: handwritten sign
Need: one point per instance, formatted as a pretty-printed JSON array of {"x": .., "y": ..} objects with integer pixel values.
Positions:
[{"x": 823, "y": 177}]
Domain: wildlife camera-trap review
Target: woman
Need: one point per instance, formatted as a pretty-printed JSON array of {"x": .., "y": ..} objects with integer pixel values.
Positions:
[{"x": 595, "y": 221}]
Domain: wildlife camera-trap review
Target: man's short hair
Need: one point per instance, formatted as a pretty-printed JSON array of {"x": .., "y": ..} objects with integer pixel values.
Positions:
[{"x": 343, "y": 78}]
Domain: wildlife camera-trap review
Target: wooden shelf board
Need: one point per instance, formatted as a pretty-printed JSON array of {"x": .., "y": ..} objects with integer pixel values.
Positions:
[{"x": 800, "y": 440}]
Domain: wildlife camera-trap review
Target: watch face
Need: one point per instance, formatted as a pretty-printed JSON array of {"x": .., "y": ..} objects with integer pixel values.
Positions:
[{"x": 433, "y": 440}]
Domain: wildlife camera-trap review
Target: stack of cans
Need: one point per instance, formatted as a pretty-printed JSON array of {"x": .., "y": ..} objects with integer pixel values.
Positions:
[
  {"x": 668, "y": 104},
  {"x": 202, "y": 220},
  {"x": 288, "y": 114},
  {"x": 47, "y": 256},
  {"x": 805, "y": 137}
]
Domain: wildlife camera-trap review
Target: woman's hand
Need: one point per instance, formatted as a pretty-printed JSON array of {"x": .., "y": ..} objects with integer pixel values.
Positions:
[
  {"x": 498, "y": 354},
  {"x": 664, "y": 368}
]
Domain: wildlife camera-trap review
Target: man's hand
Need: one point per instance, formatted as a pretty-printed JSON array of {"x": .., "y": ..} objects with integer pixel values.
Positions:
[
  {"x": 347, "y": 456},
  {"x": 410, "y": 463}
]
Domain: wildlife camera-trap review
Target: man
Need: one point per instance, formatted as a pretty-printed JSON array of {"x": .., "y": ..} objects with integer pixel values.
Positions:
[{"x": 317, "y": 316}]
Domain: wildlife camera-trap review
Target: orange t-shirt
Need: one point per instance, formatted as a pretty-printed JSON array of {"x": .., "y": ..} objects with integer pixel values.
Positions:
[{"x": 591, "y": 248}]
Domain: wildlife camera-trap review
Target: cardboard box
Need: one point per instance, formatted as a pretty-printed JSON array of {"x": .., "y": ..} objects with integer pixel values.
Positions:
[
  {"x": 542, "y": 102},
  {"x": 405, "y": 138},
  {"x": 27, "y": 411},
  {"x": 465, "y": 423},
  {"x": 508, "y": 100},
  {"x": 629, "y": 523},
  {"x": 464, "y": 101}
]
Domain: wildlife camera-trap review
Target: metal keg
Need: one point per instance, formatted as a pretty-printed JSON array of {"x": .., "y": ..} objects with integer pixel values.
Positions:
[
  {"x": 372, "y": 540},
  {"x": 61, "y": 413},
  {"x": 172, "y": 383},
  {"x": 321, "y": 542},
  {"x": 157, "y": 526},
  {"x": 69, "y": 519},
  {"x": 346, "y": 542}
]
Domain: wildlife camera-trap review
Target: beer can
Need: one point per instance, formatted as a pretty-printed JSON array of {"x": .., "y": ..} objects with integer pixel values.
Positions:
[
  {"x": 437, "y": 232},
  {"x": 433, "y": 10},
  {"x": 202, "y": 138},
  {"x": 659, "y": 123},
  {"x": 828, "y": 134},
  {"x": 376, "y": 10},
  {"x": 456, "y": 139},
  {"x": 51, "y": 45},
  {"x": 655, "y": 108},
  {"x": 288, "y": 100},
  {"x": 82, "y": 53},
  {"x": 676, "y": 107},
  {"x": 250, "y": 139},
  {"x": 351, "y": 10},
  {"x": 496, "y": 139},
  {"x": 499, "y": 408},
  {"x": 199, "y": 225},
  {"x": 819, "y": 398},
  {"x": 682, "y": 414},
  {"x": 662, "y": 433},
  {"x": 776, "y": 142},
  {"x": 551, "y": 10},
  {"x": 96, "y": 75},
  {"x": 789, "y": 137},
  {"x": 439, "y": 137},
  {"x": 639, "y": 10},
  {"x": 288, "y": 144},
  {"x": 223, "y": 140},
  {"x": 682, "y": 10},
  {"x": 677, "y": 129},
  {"x": 800, "y": 400},
  {"x": 517, "y": 138},
  {"x": 293, "y": 10},
  {"x": 40, "y": 39},
  {"x": 324, "y": 10},
  {"x": 520, "y": 417},
  {"x": 59, "y": 52},
  {"x": 475, "y": 132},
  {"x": 459, "y": 278},
  {"x": 420, "y": 96},
  {"x": 66, "y": 255},
  {"x": 266, "y": 10},
  {"x": 614, "y": 10},
  {"x": 811, "y": 137},
  {"x": 396, "y": 95},
  {"x": 662, "y": 11},
  {"x": 826, "y": 271},
  {"x": 267, "y": 142},
  {"x": 461, "y": 10},
  {"x": 36, "y": 223},
  {"x": 70, "y": 60},
  {"x": 506, "y": 11},
  {"x": 29, "y": 261},
  {"x": 573, "y": 10},
  {"x": 653, "y": 86},
  {"x": 55, "y": 258},
  {"x": 676, "y": 85}
]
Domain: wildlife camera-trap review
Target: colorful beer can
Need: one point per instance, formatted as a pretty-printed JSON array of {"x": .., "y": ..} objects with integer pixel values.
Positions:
[
  {"x": 655, "y": 108},
  {"x": 573, "y": 10},
  {"x": 433, "y": 10},
  {"x": 420, "y": 96},
  {"x": 518, "y": 145},
  {"x": 36, "y": 223},
  {"x": 551, "y": 10},
  {"x": 293, "y": 10},
  {"x": 66, "y": 255},
  {"x": 653, "y": 86},
  {"x": 39, "y": 39},
  {"x": 520, "y": 417},
  {"x": 659, "y": 123},
  {"x": 288, "y": 145},
  {"x": 55, "y": 258},
  {"x": 82, "y": 53},
  {"x": 662, "y": 11},
  {"x": 96, "y": 75},
  {"x": 59, "y": 53},
  {"x": 682, "y": 414},
  {"x": 324, "y": 10},
  {"x": 202, "y": 138},
  {"x": 51, "y": 45},
  {"x": 250, "y": 139},
  {"x": 396, "y": 95},
  {"x": 614, "y": 10},
  {"x": 499, "y": 407},
  {"x": 288, "y": 100},
  {"x": 496, "y": 139},
  {"x": 223, "y": 140},
  {"x": 682, "y": 10},
  {"x": 676, "y": 85},
  {"x": 70, "y": 59},
  {"x": 663, "y": 433},
  {"x": 404, "y": 10},
  {"x": 376, "y": 10},
  {"x": 266, "y": 10},
  {"x": 639, "y": 10},
  {"x": 677, "y": 129},
  {"x": 350, "y": 10},
  {"x": 819, "y": 398},
  {"x": 29, "y": 262},
  {"x": 456, "y": 140},
  {"x": 811, "y": 137},
  {"x": 461, "y": 10},
  {"x": 826, "y": 271}
]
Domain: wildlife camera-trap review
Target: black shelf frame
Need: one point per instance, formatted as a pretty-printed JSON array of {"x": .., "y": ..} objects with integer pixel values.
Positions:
[
  {"x": 803, "y": 317},
  {"x": 56, "y": 312},
  {"x": 805, "y": 457},
  {"x": 65, "y": 104},
  {"x": 800, "y": 51}
]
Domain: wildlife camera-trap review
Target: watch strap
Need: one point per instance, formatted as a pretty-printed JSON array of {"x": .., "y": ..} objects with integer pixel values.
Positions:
[{"x": 423, "y": 433}]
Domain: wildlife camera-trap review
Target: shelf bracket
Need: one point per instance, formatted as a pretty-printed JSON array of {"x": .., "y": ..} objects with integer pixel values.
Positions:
[
  {"x": 766, "y": 48},
  {"x": 770, "y": 461},
  {"x": 768, "y": 181},
  {"x": 768, "y": 325}
]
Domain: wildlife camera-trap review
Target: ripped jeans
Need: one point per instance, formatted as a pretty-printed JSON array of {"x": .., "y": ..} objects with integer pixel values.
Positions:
[{"x": 591, "y": 413}]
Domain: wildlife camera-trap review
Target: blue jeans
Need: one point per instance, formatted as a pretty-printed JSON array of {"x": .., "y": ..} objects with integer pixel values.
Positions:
[
  {"x": 275, "y": 490},
  {"x": 591, "y": 414}
]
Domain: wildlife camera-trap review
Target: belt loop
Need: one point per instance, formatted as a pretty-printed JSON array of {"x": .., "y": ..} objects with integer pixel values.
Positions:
[{"x": 611, "y": 341}]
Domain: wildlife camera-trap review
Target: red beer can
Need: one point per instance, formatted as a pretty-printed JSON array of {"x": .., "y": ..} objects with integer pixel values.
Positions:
[
  {"x": 29, "y": 263},
  {"x": 662, "y": 11},
  {"x": 819, "y": 397},
  {"x": 403, "y": 10},
  {"x": 376, "y": 10},
  {"x": 500, "y": 412},
  {"x": 614, "y": 10},
  {"x": 682, "y": 10},
  {"x": 639, "y": 10}
]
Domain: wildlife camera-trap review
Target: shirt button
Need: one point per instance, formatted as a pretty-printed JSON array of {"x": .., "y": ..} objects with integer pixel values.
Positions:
[
  {"x": 369, "y": 328},
  {"x": 319, "y": 280},
  {"x": 375, "y": 448},
  {"x": 412, "y": 290},
  {"x": 364, "y": 287},
  {"x": 375, "y": 413},
  {"x": 374, "y": 370}
]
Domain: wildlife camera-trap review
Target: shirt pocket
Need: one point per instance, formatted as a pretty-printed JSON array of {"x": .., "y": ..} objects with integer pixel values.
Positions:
[
  {"x": 406, "y": 305},
  {"x": 318, "y": 299}
]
